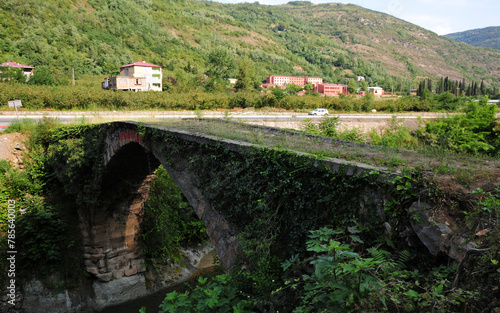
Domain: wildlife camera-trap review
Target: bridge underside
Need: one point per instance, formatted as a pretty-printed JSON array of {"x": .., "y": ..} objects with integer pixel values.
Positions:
[{"x": 111, "y": 239}]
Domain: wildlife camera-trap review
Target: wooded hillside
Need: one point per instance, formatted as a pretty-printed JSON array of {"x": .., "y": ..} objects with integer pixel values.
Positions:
[
  {"x": 334, "y": 41},
  {"x": 488, "y": 37}
]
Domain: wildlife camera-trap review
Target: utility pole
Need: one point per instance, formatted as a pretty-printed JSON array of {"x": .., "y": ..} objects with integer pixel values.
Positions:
[{"x": 73, "y": 75}]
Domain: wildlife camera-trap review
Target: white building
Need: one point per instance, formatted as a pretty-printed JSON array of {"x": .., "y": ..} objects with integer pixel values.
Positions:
[
  {"x": 376, "y": 91},
  {"x": 138, "y": 76}
]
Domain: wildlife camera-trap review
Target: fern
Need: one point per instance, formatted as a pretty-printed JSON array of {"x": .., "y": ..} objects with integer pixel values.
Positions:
[
  {"x": 403, "y": 257},
  {"x": 387, "y": 261}
]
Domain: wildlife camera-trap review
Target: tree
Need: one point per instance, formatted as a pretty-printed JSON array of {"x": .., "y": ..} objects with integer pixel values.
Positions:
[
  {"x": 352, "y": 87},
  {"x": 279, "y": 94},
  {"x": 309, "y": 87},
  {"x": 247, "y": 75},
  {"x": 42, "y": 76},
  {"x": 220, "y": 63},
  {"x": 12, "y": 74},
  {"x": 292, "y": 89}
]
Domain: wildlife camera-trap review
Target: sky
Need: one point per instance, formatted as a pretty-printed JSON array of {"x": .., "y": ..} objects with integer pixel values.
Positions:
[{"x": 440, "y": 16}]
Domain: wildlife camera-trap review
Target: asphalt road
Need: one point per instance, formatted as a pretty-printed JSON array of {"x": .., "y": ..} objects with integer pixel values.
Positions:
[{"x": 7, "y": 117}]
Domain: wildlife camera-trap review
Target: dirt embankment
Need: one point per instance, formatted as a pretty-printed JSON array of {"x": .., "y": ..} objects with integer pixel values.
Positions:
[{"x": 11, "y": 148}]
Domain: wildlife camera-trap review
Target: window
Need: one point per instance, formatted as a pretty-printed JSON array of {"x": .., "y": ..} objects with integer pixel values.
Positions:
[{"x": 137, "y": 81}]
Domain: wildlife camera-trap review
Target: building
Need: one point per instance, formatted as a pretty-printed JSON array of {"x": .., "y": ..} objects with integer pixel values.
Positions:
[
  {"x": 138, "y": 76},
  {"x": 125, "y": 83},
  {"x": 376, "y": 91},
  {"x": 314, "y": 80},
  {"x": 281, "y": 80},
  {"x": 27, "y": 70},
  {"x": 331, "y": 89},
  {"x": 360, "y": 78}
]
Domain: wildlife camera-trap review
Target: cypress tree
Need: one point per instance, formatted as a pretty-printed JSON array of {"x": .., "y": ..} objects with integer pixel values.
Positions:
[{"x": 482, "y": 89}]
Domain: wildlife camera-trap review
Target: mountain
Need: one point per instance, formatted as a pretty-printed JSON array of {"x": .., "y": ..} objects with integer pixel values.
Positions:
[
  {"x": 488, "y": 37},
  {"x": 334, "y": 41}
]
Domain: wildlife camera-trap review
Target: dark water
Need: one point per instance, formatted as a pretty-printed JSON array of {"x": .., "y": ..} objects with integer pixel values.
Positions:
[{"x": 151, "y": 302}]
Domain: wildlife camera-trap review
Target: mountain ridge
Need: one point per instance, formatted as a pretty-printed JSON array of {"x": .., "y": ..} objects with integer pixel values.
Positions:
[{"x": 487, "y": 37}]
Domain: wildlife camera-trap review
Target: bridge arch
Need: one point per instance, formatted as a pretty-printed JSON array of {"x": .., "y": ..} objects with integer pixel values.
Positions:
[{"x": 112, "y": 245}]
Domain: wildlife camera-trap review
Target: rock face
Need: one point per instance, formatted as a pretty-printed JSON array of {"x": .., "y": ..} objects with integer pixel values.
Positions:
[
  {"x": 438, "y": 233},
  {"x": 10, "y": 305},
  {"x": 101, "y": 294}
]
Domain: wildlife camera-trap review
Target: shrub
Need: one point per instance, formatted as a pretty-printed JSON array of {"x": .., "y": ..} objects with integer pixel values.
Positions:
[
  {"x": 394, "y": 136},
  {"x": 475, "y": 132},
  {"x": 169, "y": 222},
  {"x": 42, "y": 76}
]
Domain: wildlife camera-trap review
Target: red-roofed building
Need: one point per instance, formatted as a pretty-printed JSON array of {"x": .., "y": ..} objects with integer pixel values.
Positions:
[
  {"x": 138, "y": 76},
  {"x": 27, "y": 70}
]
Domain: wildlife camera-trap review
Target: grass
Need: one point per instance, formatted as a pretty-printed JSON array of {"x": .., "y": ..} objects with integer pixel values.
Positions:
[
  {"x": 21, "y": 126},
  {"x": 456, "y": 171}
]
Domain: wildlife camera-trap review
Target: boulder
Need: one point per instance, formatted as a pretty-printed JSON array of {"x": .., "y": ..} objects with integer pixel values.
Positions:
[{"x": 437, "y": 232}]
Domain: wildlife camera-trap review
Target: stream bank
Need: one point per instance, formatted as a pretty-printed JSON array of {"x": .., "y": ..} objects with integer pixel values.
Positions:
[{"x": 98, "y": 296}]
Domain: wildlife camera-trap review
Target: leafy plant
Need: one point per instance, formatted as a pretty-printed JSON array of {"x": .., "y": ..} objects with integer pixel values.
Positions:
[
  {"x": 341, "y": 277},
  {"x": 168, "y": 221},
  {"x": 218, "y": 294},
  {"x": 475, "y": 132},
  {"x": 342, "y": 280}
]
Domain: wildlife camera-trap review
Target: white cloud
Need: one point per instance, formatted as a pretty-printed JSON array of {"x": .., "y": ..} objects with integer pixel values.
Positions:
[{"x": 445, "y": 3}]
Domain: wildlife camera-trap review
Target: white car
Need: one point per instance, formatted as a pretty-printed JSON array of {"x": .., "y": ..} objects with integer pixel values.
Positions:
[{"x": 319, "y": 112}]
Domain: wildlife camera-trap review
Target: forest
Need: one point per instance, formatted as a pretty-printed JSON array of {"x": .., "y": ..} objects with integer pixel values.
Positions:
[{"x": 97, "y": 37}]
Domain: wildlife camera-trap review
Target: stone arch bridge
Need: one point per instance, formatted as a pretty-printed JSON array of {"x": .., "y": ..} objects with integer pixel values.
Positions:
[{"x": 130, "y": 158}]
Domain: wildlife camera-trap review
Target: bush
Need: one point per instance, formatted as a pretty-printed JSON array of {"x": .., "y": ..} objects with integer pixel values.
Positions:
[
  {"x": 41, "y": 234},
  {"x": 217, "y": 295},
  {"x": 169, "y": 221},
  {"x": 394, "y": 136},
  {"x": 475, "y": 132},
  {"x": 42, "y": 76}
]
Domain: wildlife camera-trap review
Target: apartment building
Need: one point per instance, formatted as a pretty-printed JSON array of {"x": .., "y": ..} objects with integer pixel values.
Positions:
[
  {"x": 282, "y": 80},
  {"x": 138, "y": 76}
]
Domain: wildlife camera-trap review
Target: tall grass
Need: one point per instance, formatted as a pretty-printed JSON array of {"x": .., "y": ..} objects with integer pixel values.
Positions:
[{"x": 21, "y": 126}]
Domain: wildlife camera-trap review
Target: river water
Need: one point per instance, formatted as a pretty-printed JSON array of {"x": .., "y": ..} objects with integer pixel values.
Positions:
[{"x": 153, "y": 301}]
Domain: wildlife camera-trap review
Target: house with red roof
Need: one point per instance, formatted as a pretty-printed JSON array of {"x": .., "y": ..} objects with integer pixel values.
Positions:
[
  {"x": 138, "y": 76},
  {"x": 27, "y": 70}
]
